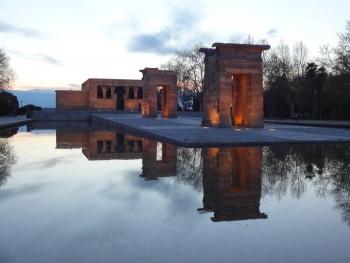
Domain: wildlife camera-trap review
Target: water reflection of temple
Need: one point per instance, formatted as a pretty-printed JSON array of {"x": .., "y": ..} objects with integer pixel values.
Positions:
[
  {"x": 231, "y": 176},
  {"x": 232, "y": 183},
  {"x": 158, "y": 159}
]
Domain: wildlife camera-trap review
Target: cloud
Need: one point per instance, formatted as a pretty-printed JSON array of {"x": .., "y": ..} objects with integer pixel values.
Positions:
[
  {"x": 238, "y": 37},
  {"x": 48, "y": 59},
  {"x": 44, "y": 164},
  {"x": 38, "y": 57},
  {"x": 156, "y": 43},
  {"x": 171, "y": 38},
  {"x": 27, "y": 32},
  {"x": 22, "y": 190},
  {"x": 120, "y": 28},
  {"x": 74, "y": 86},
  {"x": 271, "y": 33}
]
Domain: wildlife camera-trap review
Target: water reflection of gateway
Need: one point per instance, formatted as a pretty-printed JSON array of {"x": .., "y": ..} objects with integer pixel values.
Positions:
[
  {"x": 232, "y": 183},
  {"x": 231, "y": 176}
]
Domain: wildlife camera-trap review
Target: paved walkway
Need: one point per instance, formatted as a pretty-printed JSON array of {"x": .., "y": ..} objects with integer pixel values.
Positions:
[
  {"x": 6, "y": 122},
  {"x": 187, "y": 131},
  {"x": 315, "y": 123}
]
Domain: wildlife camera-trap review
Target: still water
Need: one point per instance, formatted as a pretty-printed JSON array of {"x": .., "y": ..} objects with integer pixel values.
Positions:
[{"x": 101, "y": 196}]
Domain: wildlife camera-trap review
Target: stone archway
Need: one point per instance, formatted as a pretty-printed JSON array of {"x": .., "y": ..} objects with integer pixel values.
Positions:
[
  {"x": 153, "y": 78},
  {"x": 233, "y": 91}
]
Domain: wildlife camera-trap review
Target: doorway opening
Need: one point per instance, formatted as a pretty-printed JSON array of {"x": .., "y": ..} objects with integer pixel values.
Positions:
[
  {"x": 240, "y": 104},
  {"x": 163, "y": 100},
  {"x": 120, "y": 98}
]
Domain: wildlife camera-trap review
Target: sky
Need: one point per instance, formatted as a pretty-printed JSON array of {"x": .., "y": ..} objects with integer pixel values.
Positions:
[{"x": 60, "y": 44}]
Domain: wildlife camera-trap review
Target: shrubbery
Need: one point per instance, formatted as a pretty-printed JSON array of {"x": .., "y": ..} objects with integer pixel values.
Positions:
[{"x": 8, "y": 104}]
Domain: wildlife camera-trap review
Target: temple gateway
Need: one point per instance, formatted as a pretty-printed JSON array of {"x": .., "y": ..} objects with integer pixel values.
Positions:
[
  {"x": 232, "y": 91},
  {"x": 233, "y": 87}
]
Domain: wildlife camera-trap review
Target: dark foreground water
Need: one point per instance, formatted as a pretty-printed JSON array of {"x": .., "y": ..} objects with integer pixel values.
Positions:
[{"x": 102, "y": 196}]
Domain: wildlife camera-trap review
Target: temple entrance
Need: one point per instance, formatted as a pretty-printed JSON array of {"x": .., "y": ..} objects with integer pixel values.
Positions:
[
  {"x": 159, "y": 93},
  {"x": 120, "y": 98},
  {"x": 159, "y": 98},
  {"x": 162, "y": 100},
  {"x": 239, "y": 110}
]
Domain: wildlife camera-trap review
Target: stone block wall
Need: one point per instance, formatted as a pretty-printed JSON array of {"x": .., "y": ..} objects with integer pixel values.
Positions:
[
  {"x": 71, "y": 139},
  {"x": 72, "y": 100},
  {"x": 109, "y": 145},
  {"x": 110, "y": 104}
]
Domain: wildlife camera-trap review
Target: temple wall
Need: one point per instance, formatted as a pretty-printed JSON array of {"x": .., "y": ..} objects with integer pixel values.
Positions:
[
  {"x": 71, "y": 139},
  {"x": 104, "y": 103},
  {"x": 210, "y": 93},
  {"x": 72, "y": 100},
  {"x": 108, "y": 145},
  {"x": 133, "y": 105}
]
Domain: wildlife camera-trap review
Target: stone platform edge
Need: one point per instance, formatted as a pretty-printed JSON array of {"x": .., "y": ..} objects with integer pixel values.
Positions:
[
  {"x": 162, "y": 138},
  {"x": 11, "y": 124},
  {"x": 312, "y": 123}
]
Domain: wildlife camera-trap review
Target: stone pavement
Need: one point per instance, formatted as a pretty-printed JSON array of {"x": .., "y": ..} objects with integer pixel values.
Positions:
[
  {"x": 315, "y": 123},
  {"x": 187, "y": 132},
  {"x": 6, "y": 122}
]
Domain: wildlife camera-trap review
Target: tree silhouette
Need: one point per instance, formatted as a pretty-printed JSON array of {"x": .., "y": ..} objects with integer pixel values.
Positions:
[{"x": 7, "y": 159}]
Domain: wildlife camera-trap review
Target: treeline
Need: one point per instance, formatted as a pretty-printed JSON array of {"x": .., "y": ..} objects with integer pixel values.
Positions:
[
  {"x": 9, "y": 105},
  {"x": 297, "y": 87}
]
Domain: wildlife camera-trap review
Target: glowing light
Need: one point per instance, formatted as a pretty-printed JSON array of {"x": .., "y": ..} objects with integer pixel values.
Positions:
[
  {"x": 272, "y": 129},
  {"x": 237, "y": 129},
  {"x": 238, "y": 120}
]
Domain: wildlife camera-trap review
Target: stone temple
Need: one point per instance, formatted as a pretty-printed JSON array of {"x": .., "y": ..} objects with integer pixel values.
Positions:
[
  {"x": 233, "y": 92},
  {"x": 157, "y": 91}
]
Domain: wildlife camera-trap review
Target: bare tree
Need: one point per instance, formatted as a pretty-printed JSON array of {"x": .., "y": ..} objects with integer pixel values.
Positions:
[
  {"x": 189, "y": 66},
  {"x": 300, "y": 58},
  {"x": 6, "y": 73},
  {"x": 337, "y": 59},
  {"x": 7, "y": 159},
  {"x": 342, "y": 51},
  {"x": 278, "y": 73}
]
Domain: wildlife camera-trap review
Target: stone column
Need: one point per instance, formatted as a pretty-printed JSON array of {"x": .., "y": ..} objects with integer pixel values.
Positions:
[
  {"x": 169, "y": 102},
  {"x": 149, "y": 103},
  {"x": 103, "y": 92},
  {"x": 225, "y": 99},
  {"x": 256, "y": 107}
]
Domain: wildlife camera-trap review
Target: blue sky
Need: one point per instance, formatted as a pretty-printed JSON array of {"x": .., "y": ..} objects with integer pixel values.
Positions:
[{"x": 59, "y": 44}]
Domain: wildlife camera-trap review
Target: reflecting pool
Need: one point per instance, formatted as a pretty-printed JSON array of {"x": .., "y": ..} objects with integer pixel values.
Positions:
[{"x": 92, "y": 195}]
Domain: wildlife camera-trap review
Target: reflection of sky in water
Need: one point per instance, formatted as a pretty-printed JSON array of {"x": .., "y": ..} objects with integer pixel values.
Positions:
[{"x": 59, "y": 207}]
